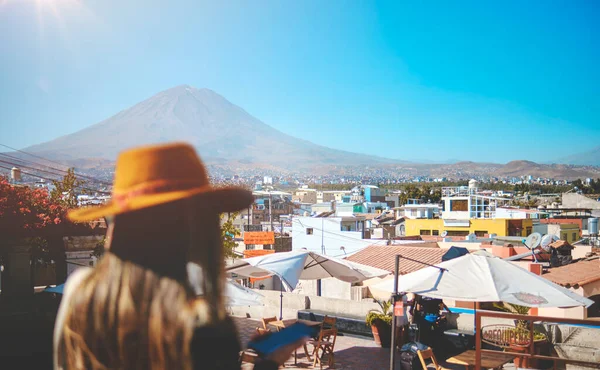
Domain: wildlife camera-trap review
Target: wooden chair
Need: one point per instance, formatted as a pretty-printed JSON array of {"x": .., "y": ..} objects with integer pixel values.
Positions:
[
  {"x": 248, "y": 356},
  {"x": 326, "y": 345},
  {"x": 426, "y": 355},
  {"x": 328, "y": 322},
  {"x": 267, "y": 320},
  {"x": 262, "y": 331}
]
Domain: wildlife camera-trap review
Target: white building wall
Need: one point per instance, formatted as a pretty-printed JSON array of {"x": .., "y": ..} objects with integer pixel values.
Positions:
[
  {"x": 333, "y": 238},
  {"x": 455, "y": 215},
  {"x": 79, "y": 259}
]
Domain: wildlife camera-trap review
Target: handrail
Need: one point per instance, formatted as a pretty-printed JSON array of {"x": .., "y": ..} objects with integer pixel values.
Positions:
[{"x": 530, "y": 322}]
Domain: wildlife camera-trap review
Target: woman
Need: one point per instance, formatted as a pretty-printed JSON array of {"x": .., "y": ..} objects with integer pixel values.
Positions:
[{"x": 136, "y": 309}]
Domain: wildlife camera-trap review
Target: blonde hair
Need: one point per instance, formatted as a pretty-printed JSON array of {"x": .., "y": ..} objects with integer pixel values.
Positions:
[{"x": 125, "y": 315}]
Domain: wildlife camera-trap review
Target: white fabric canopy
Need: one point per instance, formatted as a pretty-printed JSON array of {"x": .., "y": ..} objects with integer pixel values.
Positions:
[
  {"x": 235, "y": 294},
  {"x": 303, "y": 265},
  {"x": 481, "y": 277}
]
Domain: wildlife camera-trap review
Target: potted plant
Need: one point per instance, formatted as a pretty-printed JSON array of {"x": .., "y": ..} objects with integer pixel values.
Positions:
[
  {"x": 540, "y": 340},
  {"x": 380, "y": 322}
]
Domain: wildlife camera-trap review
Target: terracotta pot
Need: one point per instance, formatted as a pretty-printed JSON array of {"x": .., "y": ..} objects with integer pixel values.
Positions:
[
  {"x": 540, "y": 347},
  {"x": 382, "y": 333}
]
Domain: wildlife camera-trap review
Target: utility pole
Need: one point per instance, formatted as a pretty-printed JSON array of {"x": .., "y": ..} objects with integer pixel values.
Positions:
[
  {"x": 319, "y": 287},
  {"x": 270, "y": 205},
  {"x": 322, "y": 235}
]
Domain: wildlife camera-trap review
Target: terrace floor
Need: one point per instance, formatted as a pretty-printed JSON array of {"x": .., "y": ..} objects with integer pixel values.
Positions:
[{"x": 351, "y": 352}]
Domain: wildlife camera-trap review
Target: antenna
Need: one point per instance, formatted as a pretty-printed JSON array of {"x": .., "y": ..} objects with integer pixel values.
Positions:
[
  {"x": 532, "y": 241},
  {"x": 444, "y": 234}
]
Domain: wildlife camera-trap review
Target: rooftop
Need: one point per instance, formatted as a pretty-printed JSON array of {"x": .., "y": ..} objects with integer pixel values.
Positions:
[
  {"x": 577, "y": 273},
  {"x": 561, "y": 244},
  {"x": 383, "y": 257}
]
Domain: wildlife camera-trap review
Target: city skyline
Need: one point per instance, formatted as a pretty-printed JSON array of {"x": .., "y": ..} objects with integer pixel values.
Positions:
[{"x": 486, "y": 83}]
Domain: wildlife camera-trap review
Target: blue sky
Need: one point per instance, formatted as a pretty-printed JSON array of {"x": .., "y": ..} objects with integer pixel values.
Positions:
[{"x": 488, "y": 81}]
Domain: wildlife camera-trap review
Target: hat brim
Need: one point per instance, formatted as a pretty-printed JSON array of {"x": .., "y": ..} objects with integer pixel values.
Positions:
[{"x": 227, "y": 199}]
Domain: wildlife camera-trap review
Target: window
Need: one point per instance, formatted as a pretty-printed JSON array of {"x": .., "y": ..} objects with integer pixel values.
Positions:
[
  {"x": 457, "y": 233},
  {"x": 309, "y": 231},
  {"x": 480, "y": 233},
  {"x": 528, "y": 230},
  {"x": 574, "y": 236},
  {"x": 435, "y": 232},
  {"x": 459, "y": 205},
  {"x": 425, "y": 232},
  {"x": 249, "y": 246}
]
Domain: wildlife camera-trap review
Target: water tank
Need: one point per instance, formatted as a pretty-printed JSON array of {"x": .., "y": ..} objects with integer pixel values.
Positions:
[
  {"x": 473, "y": 184},
  {"x": 15, "y": 174},
  {"x": 593, "y": 226}
]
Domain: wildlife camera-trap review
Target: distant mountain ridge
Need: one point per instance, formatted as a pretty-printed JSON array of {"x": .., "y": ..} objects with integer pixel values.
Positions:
[
  {"x": 221, "y": 131},
  {"x": 227, "y": 136},
  {"x": 589, "y": 158}
]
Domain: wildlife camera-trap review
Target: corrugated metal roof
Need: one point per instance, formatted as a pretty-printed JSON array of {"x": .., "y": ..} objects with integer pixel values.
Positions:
[{"x": 383, "y": 257}]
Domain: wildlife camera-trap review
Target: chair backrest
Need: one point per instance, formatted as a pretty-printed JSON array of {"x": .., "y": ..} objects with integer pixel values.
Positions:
[
  {"x": 267, "y": 320},
  {"x": 262, "y": 331},
  {"x": 425, "y": 355},
  {"x": 248, "y": 356},
  {"x": 328, "y": 322},
  {"x": 328, "y": 335}
]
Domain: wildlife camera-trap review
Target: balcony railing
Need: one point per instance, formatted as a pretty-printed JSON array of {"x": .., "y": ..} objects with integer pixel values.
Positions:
[{"x": 511, "y": 338}]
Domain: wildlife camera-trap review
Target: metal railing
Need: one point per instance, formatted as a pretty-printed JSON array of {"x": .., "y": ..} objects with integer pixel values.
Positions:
[{"x": 530, "y": 343}]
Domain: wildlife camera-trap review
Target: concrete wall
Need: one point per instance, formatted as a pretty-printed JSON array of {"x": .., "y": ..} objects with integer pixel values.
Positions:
[
  {"x": 292, "y": 303},
  {"x": 575, "y": 343},
  {"x": 81, "y": 243},
  {"x": 330, "y": 288},
  {"x": 572, "y": 200}
]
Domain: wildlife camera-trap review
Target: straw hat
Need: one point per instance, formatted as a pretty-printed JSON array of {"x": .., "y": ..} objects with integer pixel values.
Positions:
[{"x": 157, "y": 174}]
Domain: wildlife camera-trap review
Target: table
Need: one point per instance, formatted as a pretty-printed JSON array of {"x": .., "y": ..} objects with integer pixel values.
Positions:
[
  {"x": 280, "y": 324},
  {"x": 488, "y": 360}
]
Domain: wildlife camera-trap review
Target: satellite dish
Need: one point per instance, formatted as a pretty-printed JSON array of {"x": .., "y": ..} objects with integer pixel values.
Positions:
[
  {"x": 546, "y": 241},
  {"x": 444, "y": 234},
  {"x": 533, "y": 240}
]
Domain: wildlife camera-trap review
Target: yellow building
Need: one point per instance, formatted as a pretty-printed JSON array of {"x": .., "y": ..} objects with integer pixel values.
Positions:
[
  {"x": 569, "y": 232},
  {"x": 477, "y": 226}
]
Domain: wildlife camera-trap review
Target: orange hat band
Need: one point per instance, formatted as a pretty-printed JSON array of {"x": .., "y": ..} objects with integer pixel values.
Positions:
[{"x": 155, "y": 187}]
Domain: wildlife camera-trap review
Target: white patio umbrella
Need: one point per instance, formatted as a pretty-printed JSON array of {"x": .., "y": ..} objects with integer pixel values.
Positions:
[
  {"x": 482, "y": 277},
  {"x": 235, "y": 294},
  {"x": 293, "y": 266},
  {"x": 303, "y": 265}
]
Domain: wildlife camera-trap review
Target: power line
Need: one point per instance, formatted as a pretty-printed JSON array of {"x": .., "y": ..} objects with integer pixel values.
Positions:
[
  {"x": 37, "y": 175},
  {"x": 30, "y": 168},
  {"x": 89, "y": 178},
  {"x": 33, "y": 155},
  {"x": 49, "y": 179}
]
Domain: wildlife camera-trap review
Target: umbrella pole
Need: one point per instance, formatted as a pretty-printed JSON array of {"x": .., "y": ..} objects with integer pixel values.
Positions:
[
  {"x": 394, "y": 297},
  {"x": 280, "y": 298}
]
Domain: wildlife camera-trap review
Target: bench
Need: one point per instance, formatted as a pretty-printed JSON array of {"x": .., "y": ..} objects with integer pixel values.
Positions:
[{"x": 344, "y": 324}]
